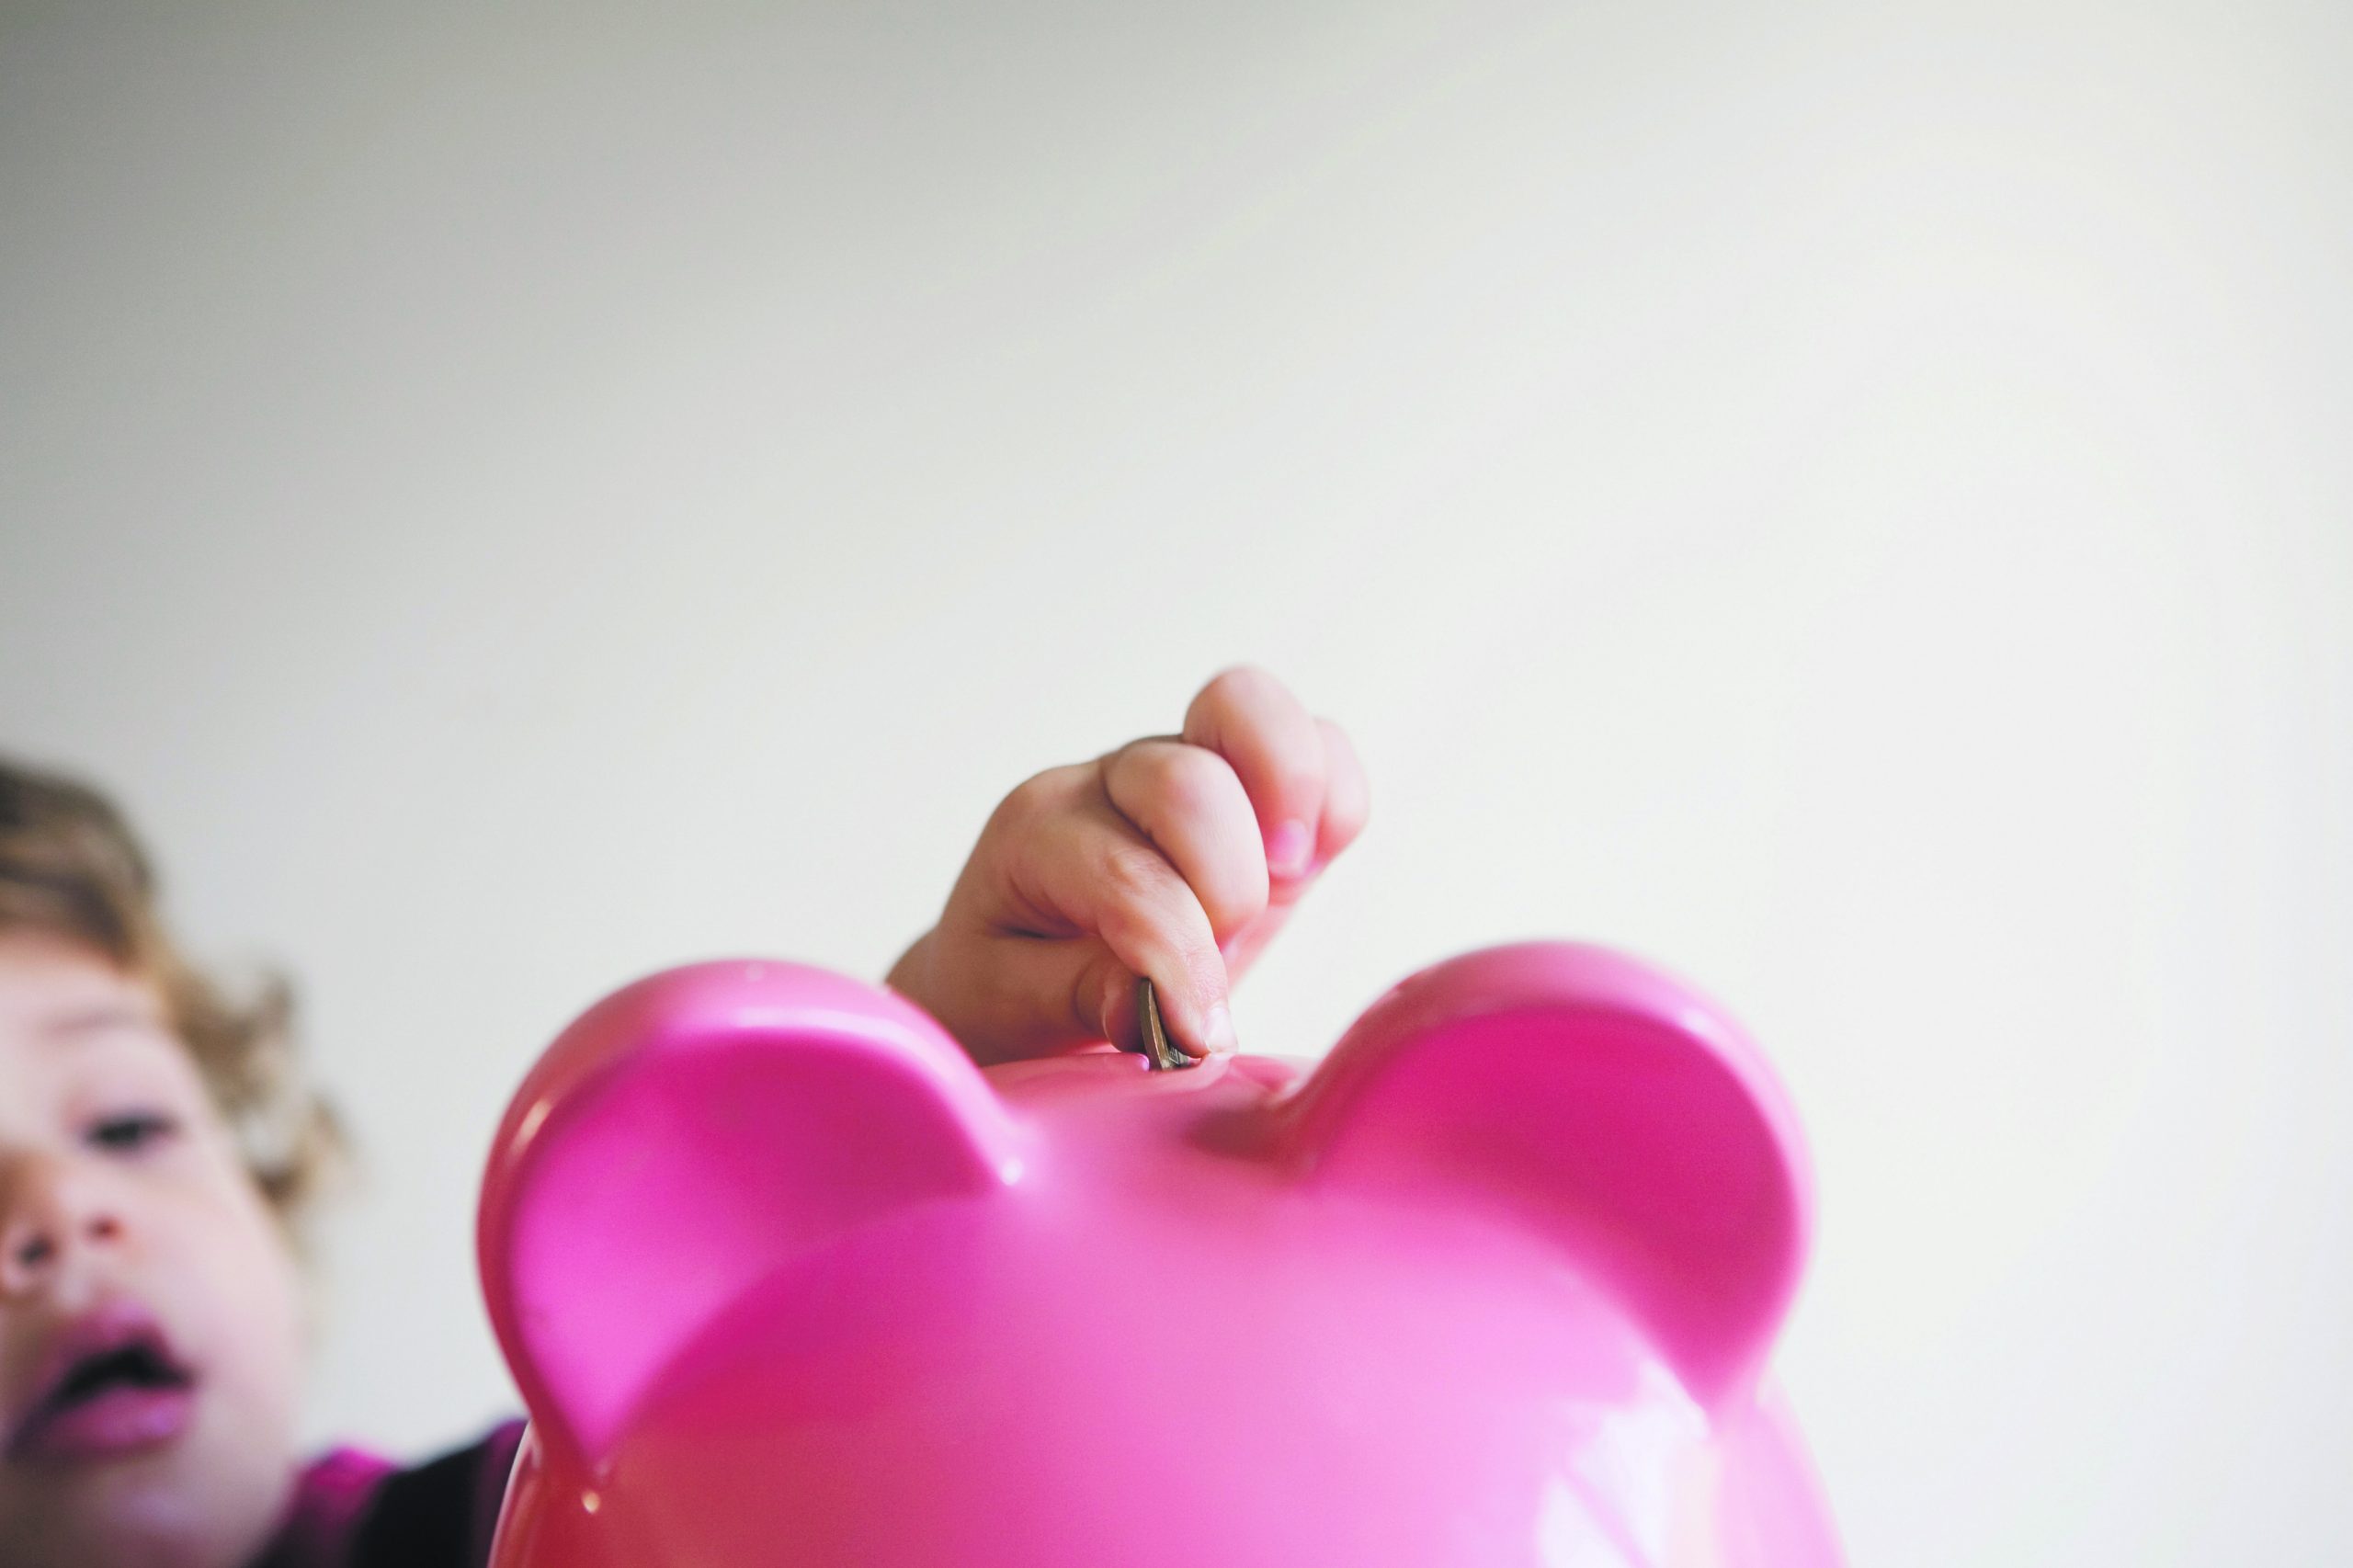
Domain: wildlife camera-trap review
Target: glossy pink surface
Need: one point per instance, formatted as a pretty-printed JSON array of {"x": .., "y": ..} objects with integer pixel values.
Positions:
[{"x": 785, "y": 1280}]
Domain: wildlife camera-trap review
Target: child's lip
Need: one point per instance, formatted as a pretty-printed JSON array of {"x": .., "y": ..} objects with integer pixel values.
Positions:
[{"x": 45, "y": 1419}]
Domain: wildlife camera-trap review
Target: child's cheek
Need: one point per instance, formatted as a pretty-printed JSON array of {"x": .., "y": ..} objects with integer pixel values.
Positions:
[
  {"x": 242, "y": 1298},
  {"x": 270, "y": 1288}
]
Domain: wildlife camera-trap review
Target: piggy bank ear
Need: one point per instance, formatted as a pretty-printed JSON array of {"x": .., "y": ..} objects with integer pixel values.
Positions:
[
  {"x": 687, "y": 1137},
  {"x": 1603, "y": 1103}
]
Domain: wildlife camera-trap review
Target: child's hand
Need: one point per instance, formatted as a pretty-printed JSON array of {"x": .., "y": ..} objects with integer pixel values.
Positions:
[{"x": 1177, "y": 857}]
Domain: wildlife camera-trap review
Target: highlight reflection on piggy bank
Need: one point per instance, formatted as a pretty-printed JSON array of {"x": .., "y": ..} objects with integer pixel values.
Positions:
[{"x": 786, "y": 1280}]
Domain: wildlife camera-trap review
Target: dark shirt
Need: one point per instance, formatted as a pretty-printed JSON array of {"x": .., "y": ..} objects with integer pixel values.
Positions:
[{"x": 352, "y": 1509}]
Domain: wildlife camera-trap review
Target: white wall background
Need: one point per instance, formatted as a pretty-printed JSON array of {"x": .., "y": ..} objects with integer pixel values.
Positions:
[{"x": 1853, "y": 504}]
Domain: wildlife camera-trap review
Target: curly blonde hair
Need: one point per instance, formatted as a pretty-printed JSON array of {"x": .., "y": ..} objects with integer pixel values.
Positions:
[{"x": 71, "y": 867}]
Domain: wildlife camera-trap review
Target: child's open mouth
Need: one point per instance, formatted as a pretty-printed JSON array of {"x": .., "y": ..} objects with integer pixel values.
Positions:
[{"x": 114, "y": 1387}]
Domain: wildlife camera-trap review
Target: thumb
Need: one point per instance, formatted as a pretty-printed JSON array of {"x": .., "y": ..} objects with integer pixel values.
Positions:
[{"x": 1057, "y": 996}]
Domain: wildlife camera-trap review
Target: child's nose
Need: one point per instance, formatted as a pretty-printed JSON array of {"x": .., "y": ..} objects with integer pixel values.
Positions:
[{"x": 49, "y": 1215}]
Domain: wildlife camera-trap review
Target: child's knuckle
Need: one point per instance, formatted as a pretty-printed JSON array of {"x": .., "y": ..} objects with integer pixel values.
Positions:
[
  {"x": 1234, "y": 692},
  {"x": 1185, "y": 780},
  {"x": 1031, "y": 801},
  {"x": 1134, "y": 875}
]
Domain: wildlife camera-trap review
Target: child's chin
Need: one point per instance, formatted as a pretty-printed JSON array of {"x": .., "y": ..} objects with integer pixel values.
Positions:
[{"x": 196, "y": 1496}]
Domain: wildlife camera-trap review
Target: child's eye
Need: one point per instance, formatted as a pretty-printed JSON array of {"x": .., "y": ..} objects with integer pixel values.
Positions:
[{"x": 131, "y": 1131}]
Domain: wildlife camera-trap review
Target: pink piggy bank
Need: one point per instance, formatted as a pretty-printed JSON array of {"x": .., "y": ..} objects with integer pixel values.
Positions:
[{"x": 785, "y": 1280}]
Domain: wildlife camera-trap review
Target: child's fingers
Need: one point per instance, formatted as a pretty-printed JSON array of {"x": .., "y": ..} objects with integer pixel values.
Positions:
[
  {"x": 1347, "y": 797},
  {"x": 1187, "y": 800},
  {"x": 1100, "y": 874},
  {"x": 1252, "y": 719}
]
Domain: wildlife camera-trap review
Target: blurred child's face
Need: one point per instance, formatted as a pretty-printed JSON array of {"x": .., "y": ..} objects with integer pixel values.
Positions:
[{"x": 150, "y": 1330}]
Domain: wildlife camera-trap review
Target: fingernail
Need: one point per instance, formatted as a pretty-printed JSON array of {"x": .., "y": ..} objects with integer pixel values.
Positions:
[
  {"x": 1286, "y": 850},
  {"x": 1220, "y": 1028}
]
